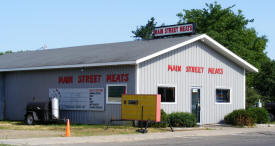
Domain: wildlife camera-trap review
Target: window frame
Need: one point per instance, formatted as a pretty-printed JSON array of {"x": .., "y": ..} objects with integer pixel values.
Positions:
[
  {"x": 223, "y": 88},
  {"x": 168, "y": 86},
  {"x": 107, "y": 92}
]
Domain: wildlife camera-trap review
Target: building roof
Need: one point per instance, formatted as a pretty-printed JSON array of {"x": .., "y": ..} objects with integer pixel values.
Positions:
[{"x": 122, "y": 53}]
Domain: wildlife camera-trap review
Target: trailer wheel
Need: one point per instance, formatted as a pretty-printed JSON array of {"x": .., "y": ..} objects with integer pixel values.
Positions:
[{"x": 29, "y": 119}]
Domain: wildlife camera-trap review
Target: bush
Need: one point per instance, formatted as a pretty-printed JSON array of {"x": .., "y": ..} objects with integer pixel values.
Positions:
[
  {"x": 261, "y": 115},
  {"x": 163, "y": 123},
  {"x": 182, "y": 119},
  {"x": 240, "y": 118}
]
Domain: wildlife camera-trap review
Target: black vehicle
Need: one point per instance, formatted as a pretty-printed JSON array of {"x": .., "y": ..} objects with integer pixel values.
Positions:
[
  {"x": 270, "y": 107},
  {"x": 42, "y": 112}
]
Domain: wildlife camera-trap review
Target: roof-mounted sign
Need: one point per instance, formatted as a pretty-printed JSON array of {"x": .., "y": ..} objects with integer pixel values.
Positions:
[{"x": 175, "y": 30}]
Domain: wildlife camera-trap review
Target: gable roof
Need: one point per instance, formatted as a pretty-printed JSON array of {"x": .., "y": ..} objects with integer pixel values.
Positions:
[{"x": 123, "y": 53}]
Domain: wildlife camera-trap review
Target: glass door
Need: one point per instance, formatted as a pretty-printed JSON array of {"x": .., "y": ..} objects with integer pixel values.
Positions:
[{"x": 196, "y": 103}]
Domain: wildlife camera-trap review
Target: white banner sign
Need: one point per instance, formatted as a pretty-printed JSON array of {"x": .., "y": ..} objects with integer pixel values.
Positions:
[
  {"x": 79, "y": 98},
  {"x": 173, "y": 30}
]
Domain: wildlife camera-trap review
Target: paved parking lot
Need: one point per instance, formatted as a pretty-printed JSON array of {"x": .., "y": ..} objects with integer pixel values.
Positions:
[{"x": 218, "y": 136}]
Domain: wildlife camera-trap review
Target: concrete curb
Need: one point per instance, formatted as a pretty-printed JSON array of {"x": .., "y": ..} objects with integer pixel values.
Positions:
[{"x": 133, "y": 137}]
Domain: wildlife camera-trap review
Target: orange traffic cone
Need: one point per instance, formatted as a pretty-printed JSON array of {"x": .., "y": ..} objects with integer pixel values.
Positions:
[{"x": 68, "y": 129}]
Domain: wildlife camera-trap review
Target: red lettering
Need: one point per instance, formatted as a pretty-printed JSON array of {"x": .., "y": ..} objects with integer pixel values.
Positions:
[
  {"x": 191, "y": 28},
  {"x": 109, "y": 78},
  {"x": 179, "y": 68},
  {"x": 65, "y": 79},
  {"x": 113, "y": 78},
  {"x": 215, "y": 70},
  {"x": 210, "y": 70},
  {"x": 169, "y": 67},
  {"x": 202, "y": 69},
  {"x": 60, "y": 80},
  {"x": 176, "y": 68},
  {"x": 68, "y": 79},
  {"x": 122, "y": 77},
  {"x": 171, "y": 30},
  {"x": 126, "y": 78},
  {"x": 193, "y": 69},
  {"x": 99, "y": 76},
  {"x": 117, "y": 78},
  {"x": 188, "y": 68},
  {"x": 86, "y": 78},
  {"x": 158, "y": 31}
]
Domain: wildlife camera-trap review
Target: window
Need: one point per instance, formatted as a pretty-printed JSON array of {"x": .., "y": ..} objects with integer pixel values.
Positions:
[
  {"x": 167, "y": 94},
  {"x": 222, "y": 95},
  {"x": 114, "y": 93}
]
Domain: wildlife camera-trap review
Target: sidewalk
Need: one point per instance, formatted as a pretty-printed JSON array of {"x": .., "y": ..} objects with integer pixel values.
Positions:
[{"x": 213, "y": 131}]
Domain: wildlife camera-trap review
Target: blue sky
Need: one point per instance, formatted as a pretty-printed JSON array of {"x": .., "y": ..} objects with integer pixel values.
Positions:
[{"x": 29, "y": 24}]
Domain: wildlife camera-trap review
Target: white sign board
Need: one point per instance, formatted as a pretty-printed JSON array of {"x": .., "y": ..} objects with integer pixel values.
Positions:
[
  {"x": 174, "y": 30},
  {"x": 79, "y": 98}
]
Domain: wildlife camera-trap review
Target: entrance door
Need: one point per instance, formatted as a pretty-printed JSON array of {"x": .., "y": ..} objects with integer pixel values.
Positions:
[{"x": 196, "y": 103}]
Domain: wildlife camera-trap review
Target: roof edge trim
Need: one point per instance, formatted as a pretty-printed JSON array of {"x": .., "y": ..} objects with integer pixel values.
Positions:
[
  {"x": 224, "y": 50},
  {"x": 69, "y": 66},
  {"x": 246, "y": 65}
]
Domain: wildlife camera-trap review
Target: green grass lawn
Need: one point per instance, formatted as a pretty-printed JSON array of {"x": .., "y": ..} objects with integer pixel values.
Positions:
[{"x": 76, "y": 129}]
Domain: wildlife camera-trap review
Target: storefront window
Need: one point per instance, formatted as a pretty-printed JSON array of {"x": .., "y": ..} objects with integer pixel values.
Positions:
[
  {"x": 222, "y": 95},
  {"x": 114, "y": 93},
  {"x": 167, "y": 94}
]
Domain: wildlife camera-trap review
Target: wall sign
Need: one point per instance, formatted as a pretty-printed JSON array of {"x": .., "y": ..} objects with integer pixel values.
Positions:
[
  {"x": 195, "y": 69},
  {"x": 79, "y": 98},
  {"x": 175, "y": 29},
  {"x": 94, "y": 78},
  {"x": 117, "y": 78}
]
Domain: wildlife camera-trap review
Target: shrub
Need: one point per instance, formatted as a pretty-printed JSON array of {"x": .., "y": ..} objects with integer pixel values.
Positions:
[
  {"x": 240, "y": 118},
  {"x": 261, "y": 114},
  {"x": 163, "y": 123},
  {"x": 182, "y": 119}
]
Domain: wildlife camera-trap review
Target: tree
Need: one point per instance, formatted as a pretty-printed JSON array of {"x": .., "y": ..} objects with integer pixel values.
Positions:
[
  {"x": 265, "y": 81},
  {"x": 252, "y": 97},
  {"x": 145, "y": 32},
  {"x": 7, "y": 52},
  {"x": 229, "y": 29}
]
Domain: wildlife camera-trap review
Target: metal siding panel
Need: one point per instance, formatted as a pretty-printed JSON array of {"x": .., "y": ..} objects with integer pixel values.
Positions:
[
  {"x": 1, "y": 96},
  {"x": 154, "y": 71},
  {"x": 21, "y": 87}
]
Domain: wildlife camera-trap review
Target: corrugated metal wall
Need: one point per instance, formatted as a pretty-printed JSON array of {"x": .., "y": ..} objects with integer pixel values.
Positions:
[
  {"x": 155, "y": 72},
  {"x": 23, "y": 87},
  {"x": 1, "y": 96}
]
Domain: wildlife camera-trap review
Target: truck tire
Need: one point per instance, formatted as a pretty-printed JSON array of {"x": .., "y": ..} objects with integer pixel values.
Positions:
[{"x": 29, "y": 119}]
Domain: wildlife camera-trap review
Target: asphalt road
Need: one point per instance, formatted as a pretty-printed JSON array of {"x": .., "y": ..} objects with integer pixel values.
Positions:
[{"x": 266, "y": 138}]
